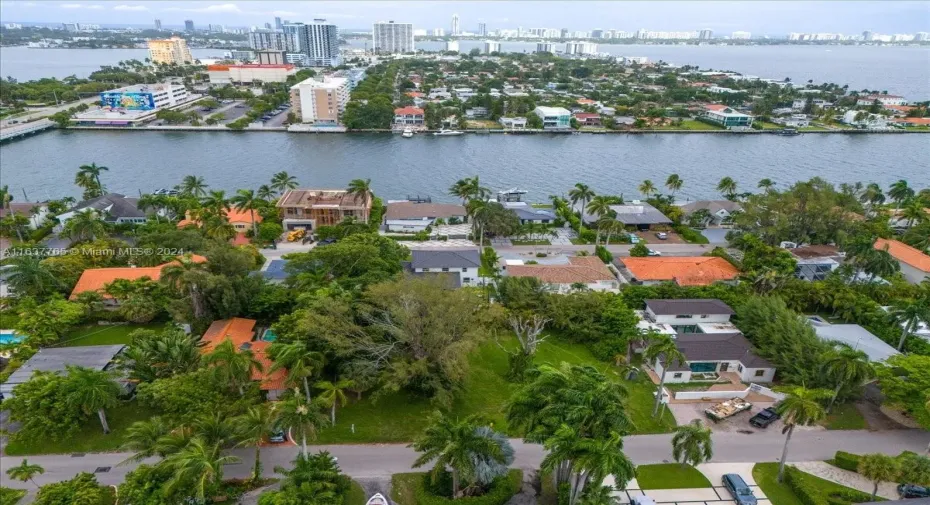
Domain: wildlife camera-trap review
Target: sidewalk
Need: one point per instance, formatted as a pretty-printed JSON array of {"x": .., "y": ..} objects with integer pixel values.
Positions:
[{"x": 846, "y": 478}]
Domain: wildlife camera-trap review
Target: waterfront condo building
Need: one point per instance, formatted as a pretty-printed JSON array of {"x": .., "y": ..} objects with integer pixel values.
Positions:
[
  {"x": 248, "y": 74},
  {"x": 168, "y": 51},
  {"x": 318, "y": 42},
  {"x": 310, "y": 208},
  {"x": 391, "y": 37},
  {"x": 320, "y": 100},
  {"x": 725, "y": 116},
  {"x": 554, "y": 118}
]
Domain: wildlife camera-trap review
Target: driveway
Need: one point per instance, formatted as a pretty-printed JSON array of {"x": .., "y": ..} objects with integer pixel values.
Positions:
[
  {"x": 696, "y": 496},
  {"x": 686, "y": 412}
]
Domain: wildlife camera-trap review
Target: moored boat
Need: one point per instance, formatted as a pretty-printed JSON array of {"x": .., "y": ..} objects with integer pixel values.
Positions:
[
  {"x": 408, "y": 132},
  {"x": 377, "y": 499},
  {"x": 447, "y": 133}
]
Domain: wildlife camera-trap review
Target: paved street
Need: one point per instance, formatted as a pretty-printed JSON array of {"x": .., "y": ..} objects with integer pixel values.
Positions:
[
  {"x": 47, "y": 111},
  {"x": 381, "y": 460}
]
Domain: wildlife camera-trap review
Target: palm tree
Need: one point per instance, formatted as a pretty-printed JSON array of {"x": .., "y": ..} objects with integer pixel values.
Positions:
[
  {"x": 872, "y": 195},
  {"x": 580, "y": 193},
  {"x": 455, "y": 445},
  {"x": 245, "y": 199},
  {"x": 461, "y": 189},
  {"x": 647, "y": 188},
  {"x": 197, "y": 468},
  {"x": 846, "y": 366},
  {"x": 590, "y": 460},
  {"x": 662, "y": 350},
  {"x": 692, "y": 444},
  {"x": 303, "y": 420},
  {"x": 28, "y": 276},
  {"x": 300, "y": 362},
  {"x": 477, "y": 212},
  {"x": 232, "y": 366},
  {"x": 909, "y": 314},
  {"x": 93, "y": 390},
  {"x": 599, "y": 206},
  {"x": 802, "y": 407},
  {"x": 265, "y": 192},
  {"x": 878, "y": 468},
  {"x": 143, "y": 438},
  {"x": 253, "y": 427},
  {"x": 25, "y": 472},
  {"x": 282, "y": 181},
  {"x": 727, "y": 187},
  {"x": 215, "y": 203},
  {"x": 360, "y": 189},
  {"x": 84, "y": 225},
  {"x": 900, "y": 192},
  {"x": 92, "y": 171},
  {"x": 333, "y": 394},
  {"x": 674, "y": 183},
  {"x": 185, "y": 274},
  {"x": 766, "y": 184},
  {"x": 914, "y": 213},
  {"x": 194, "y": 186}
]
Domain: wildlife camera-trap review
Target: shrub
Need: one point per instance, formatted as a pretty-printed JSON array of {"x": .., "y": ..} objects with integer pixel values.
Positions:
[
  {"x": 541, "y": 255},
  {"x": 639, "y": 250},
  {"x": 809, "y": 493},
  {"x": 846, "y": 461},
  {"x": 498, "y": 493},
  {"x": 603, "y": 254},
  {"x": 691, "y": 235},
  {"x": 588, "y": 235}
]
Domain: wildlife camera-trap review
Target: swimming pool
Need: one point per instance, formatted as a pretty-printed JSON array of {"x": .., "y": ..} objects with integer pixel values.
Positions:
[
  {"x": 269, "y": 335},
  {"x": 10, "y": 337}
]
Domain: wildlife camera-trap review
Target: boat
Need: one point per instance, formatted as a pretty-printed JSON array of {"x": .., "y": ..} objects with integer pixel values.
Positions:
[
  {"x": 377, "y": 499},
  {"x": 788, "y": 132},
  {"x": 447, "y": 133},
  {"x": 408, "y": 132}
]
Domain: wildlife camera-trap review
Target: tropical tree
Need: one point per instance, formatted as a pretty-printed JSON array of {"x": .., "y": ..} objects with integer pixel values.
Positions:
[
  {"x": 144, "y": 439},
  {"x": 647, "y": 188},
  {"x": 915, "y": 469},
  {"x": 304, "y": 420},
  {"x": 909, "y": 314},
  {"x": 187, "y": 275},
  {"x": 197, "y": 468},
  {"x": 456, "y": 445},
  {"x": 24, "y": 471},
  {"x": 900, "y": 192},
  {"x": 727, "y": 187},
  {"x": 801, "y": 407},
  {"x": 92, "y": 390},
  {"x": 674, "y": 183},
  {"x": 878, "y": 468},
  {"x": 193, "y": 185},
  {"x": 872, "y": 195},
  {"x": 469, "y": 189},
  {"x": 253, "y": 427},
  {"x": 581, "y": 193},
  {"x": 300, "y": 362},
  {"x": 215, "y": 203},
  {"x": 93, "y": 172},
  {"x": 914, "y": 213},
  {"x": 155, "y": 355},
  {"x": 766, "y": 184},
  {"x": 265, "y": 192},
  {"x": 846, "y": 367},
  {"x": 662, "y": 350},
  {"x": 359, "y": 188},
  {"x": 245, "y": 199},
  {"x": 586, "y": 460},
  {"x": 282, "y": 181},
  {"x": 692, "y": 444},
  {"x": 29, "y": 276},
  {"x": 84, "y": 225},
  {"x": 333, "y": 393},
  {"x": 232, "y": 366}
]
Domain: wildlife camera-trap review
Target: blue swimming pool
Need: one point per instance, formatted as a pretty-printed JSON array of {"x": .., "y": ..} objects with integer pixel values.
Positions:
[
  {"x": 269, "y": 335},
  {"x": 10, "y": 337}
]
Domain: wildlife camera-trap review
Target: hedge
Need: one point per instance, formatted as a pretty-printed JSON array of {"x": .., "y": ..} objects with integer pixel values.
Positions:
[
  {"x": 846, "y": 461},
  {"x": 603, "y": 254},
  {"x": 691, "y": 235},
  {"x": 810, "y": 494},
  {"x": 500, "y": 492}
]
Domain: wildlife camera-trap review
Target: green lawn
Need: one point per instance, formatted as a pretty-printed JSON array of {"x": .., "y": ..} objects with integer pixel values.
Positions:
[
  {"x": 688, "y": 124},
  {"x": 356, "y": 495},
  {"x": 766, "y": 476},
  {"x": 400, "y": 417},
  {"x": 90, "y": 438},
  {"x": 845, "y": 417},
  {"x": 531, "y": 242},
  {"x": 11, "y": 496},
  {"x": 670, "y": 476},
  {"x": 813, "y": 129},
  {"x": 768, "y": 126},
  {"x": 105, "y": 335}
]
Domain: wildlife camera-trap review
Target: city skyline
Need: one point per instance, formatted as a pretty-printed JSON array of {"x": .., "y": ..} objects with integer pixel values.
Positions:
[{"x": 758, "y": 17}]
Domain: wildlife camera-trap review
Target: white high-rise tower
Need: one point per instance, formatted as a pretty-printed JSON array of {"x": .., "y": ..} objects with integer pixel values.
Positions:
[{"x": 455, "y": 25}]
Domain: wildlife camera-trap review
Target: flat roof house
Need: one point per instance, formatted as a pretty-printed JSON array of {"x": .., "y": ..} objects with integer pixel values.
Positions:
[
  {"x": 554, "y": 118},
  {"x": 691, "y": 315},
  {"x": 854, "y": 336},
  {"x": 726, "y": 116},
  {"x": 412, "y": 217},
  {"x": 459, "y": 264},
  {"x": 815, "y": 262},
  {"x": 241, "y": 332},
  {"x": 707, "y": 355},
  {"x": 513, "y": 123},
  {"x": 915, "y": 265},
  {"x": 682, "y": 270},
  {"x": 57, "y": 359},
  {"x": 589, "y": 271},
  {"x": 311, "y": 208}
]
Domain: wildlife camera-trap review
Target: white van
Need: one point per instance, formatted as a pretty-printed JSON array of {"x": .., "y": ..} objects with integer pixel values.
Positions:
[{"x": 642, "y": 500}]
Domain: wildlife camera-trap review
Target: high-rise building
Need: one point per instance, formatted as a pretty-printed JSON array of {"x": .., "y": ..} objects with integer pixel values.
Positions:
[
  {"x": 391, "y": 37},
  {"x": 320, "y": 100},
  {"x": 168, "y": 51},
  {"x": 741, "y": 36},
  {"x": 270, "y": 57},
  {"x": 188, "y": 25},
  {"x": 70, "y": 27},
  {"x": 580, "y": 48},
  {"x": 455, "y": 25},
  {"x": 439, "y": 32},
  {"x": 267, "y": 26},
  {"x": 597, "y": 33},
  {"x": 545, "y": 47},
  {"x": 452, "y": 45},
  {"x": 563, "y": 33},
  {"x": 277, "y": 23},
  {"x": 921, "y": 36},
  {"x": 491, "y": 46},
  {"x": 706, "y": 34},
  {"x": 158, "y": 24},
  {"x": 318, "y": 40},
  {"x": 272, "y": 40},
  {"x": 868, "y": 36},
  {"x": 482, "y": 29}
]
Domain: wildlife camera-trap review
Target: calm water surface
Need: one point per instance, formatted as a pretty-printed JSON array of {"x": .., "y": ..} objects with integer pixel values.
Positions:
[{"x": 44, "y": 165}]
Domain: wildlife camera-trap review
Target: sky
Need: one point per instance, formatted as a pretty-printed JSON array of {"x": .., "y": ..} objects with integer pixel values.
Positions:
[{"x": 756, "y": 16}]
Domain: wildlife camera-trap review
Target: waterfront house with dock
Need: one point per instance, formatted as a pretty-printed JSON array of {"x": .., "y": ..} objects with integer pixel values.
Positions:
[
  {"x": 725, "y": 116},
  {"x": 310, "y": 208},
  {"x": 554, "y": 118}
]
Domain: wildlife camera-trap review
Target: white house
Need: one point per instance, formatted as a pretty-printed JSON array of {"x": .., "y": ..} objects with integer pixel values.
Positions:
[
  {"x": 868, "y": 121},
  {"x": 707, "y": 355},
  {"x": 34, "y": 212},
  {"x": 691, "y": 315},
  {"x": 554, "y": 118},
  {"x": 413, "y": 217},
  {"x": 461, "y": 265},
  {"x": 513, "y": 123},
  {"x": 882, "y": 99},
  {"x": 815, "y": 262},
  {"x": 854, "y": 336},
  {"x": 587, "y": 271},
  {"x": 112, "y": 208},
  {"x": 720, "y": 211},
  {"x": 915, "y": 264}
]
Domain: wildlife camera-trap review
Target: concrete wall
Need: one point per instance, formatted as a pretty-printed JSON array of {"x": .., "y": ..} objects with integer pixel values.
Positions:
[{"x": 912, "y": 274}]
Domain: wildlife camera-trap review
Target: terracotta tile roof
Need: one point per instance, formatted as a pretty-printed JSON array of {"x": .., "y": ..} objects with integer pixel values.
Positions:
[
  {"x": 585, "y": 101},
  {"x": 686, "y": 271},
  {"x": 269, "y": 380},
  {"x": 415, "y": 94},
  {"x": 899, "y": 108},
  {"x": 912, "y": 120},
  {"x": 233, "y": 215},
  {"x": 239, "y": 239},
  {"x": 237, "y": 329},
  {"x": 408, "y": 110},
  {"x": 586, "y": 115},
  {"x": 21, "y": 208},
  {"x": 715, "y": 106},
  {"x": 905, "y": 253},
  {"x": 96, "y": 279},
  {"x": 583, "y": 269}
]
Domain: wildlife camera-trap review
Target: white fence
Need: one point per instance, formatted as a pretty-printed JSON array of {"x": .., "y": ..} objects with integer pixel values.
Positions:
[{"x": 726, "y": 395}]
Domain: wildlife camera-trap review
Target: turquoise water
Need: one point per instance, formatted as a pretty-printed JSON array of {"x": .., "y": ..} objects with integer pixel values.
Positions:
[
  {"x": 269, "y": 335},
  {"x": 10, "y": 337}
]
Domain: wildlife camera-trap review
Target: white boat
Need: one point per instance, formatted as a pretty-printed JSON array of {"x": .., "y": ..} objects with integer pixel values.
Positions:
[
  {"x": 408, "y": 132},
  {"x": 447, "y": 133},
  {"x": 377, "y": 499}
]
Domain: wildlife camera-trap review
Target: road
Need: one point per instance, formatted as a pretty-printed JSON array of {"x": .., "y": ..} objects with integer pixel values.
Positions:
[
  {"x": 382, "y": 460},
  {"x": 621, "y": 249},
  {"x": 47, "y": 111}
]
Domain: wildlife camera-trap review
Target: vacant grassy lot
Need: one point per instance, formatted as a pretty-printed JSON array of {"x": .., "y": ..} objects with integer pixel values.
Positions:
[
  {"x": 845, "y": 417},
  {"x": 670, "y": 476},
  {"x": 105, "y": 335}
]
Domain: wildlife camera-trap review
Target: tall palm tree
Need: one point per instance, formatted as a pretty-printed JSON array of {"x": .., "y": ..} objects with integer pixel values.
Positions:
[
  {"x": 766, "y": 184},
  {"x": 880, "y": 263},
  {"x": 24, "y": 471},
  {"x": 878, "y": 468},
  {"x": 215, "y": 203},
  {"x": 28, "y": 276},
  {"x": 872, "y": 195},
  {"x": 245, "y": 199},
  {"x": 662, "y": 350},
  {"x": 197, "y": 468},
  {"x": 303, "y": 420},
  {"x": 283, "y": 181},
  {"x": 187, "y": 275},
  {"x": 455, "y": 444},
  {"x": 674, "y": 183},
  {"x": 265, "y": 192},
  {"x": 300, "y": 362},
  {"x": 580, "y": 193},
  {"x": 232, "y": 366},
  {"x": 333, "y": 394},
  {"x": 461, "y": 189},
  {"x": 599, "y": 206},
  {"x": 909, "y": 314},
  {"x": 194, "y": 186},
  {"x": 93, "y": 171},
  {"x": 360, "y": 189},
  {"x": 478, "y": 210},
  {"x": 801, "y": 407},
  {"x": 214, "y": 428},
  {"x": 727, "y": 187},
  {"x": 914, "y": 213},
  {"x": 93, "y": 390},
  {"x": 84, "y": 225},
  {"x": 647, "y": 188},
  {"x": 253, "y": 427},
  {"x": 692, "y": 444},
  {"x": 900, "y": 192},
  {"x": 846, "y": 366},
  {"x": 590, "y": 460},
  {"x": 143, "y": 438}
]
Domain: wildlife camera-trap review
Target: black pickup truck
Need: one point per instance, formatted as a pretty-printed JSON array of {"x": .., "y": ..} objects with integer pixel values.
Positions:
[{"x": 764, "y": 418}]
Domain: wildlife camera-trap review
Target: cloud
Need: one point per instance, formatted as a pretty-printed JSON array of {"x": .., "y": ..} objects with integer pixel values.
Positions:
[
  {"x": 130, "y": 8},
  {"x": 230, "y": 8},
  {"x": 81, "y": 6}
]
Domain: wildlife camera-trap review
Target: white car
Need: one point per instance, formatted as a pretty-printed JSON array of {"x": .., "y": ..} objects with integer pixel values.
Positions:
[{"x": 653, "y": 252}]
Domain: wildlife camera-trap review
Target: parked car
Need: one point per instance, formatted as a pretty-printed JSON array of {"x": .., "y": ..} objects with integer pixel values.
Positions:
[
  {"x": 240, "y": 106},
  {"x": 653, "y": 252},
  {"x": 277, "y": 437},
  {"x": 642, "y": 500},
  {"x": 634, "y": 239},
  {"x": 662, "y": 235},
  {"x": 764, "y": 418},
  {"x": 741, "y": 491},
  {"x": 913, "y": 491}
]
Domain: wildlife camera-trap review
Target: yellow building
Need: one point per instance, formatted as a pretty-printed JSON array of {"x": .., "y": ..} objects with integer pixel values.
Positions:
[{"x": 168, "y": 51}]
